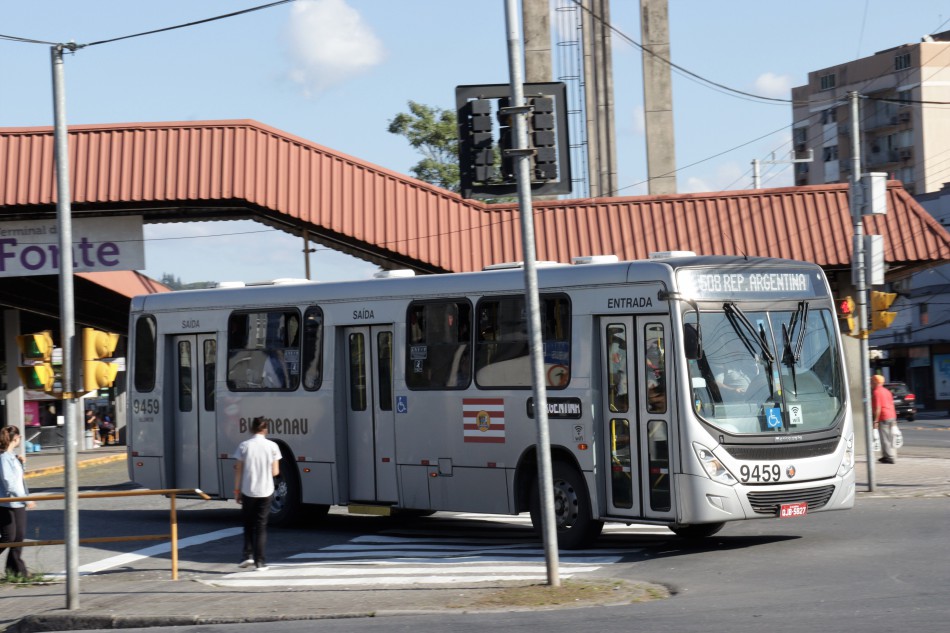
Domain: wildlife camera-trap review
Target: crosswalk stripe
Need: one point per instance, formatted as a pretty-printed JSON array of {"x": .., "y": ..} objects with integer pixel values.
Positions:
[{"x": 481, "y": 548}]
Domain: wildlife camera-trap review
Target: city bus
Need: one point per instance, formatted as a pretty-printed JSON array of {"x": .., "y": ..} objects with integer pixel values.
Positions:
[{"x": 684, "y": 391}]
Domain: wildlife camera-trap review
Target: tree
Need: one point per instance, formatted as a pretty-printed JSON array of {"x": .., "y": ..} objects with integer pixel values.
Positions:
[{"x": 434, "y": 132}]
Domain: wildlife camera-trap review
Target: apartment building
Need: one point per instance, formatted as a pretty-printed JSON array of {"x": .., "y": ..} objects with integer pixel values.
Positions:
[{"x": 905, "y": 132}]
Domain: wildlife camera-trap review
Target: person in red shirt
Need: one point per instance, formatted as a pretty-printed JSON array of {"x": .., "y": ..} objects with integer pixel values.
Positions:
[{"x": 885, "y": 418}]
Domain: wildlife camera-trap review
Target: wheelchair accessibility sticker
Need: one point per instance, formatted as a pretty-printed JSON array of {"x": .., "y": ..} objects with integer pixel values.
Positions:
[
  {"x": 402, "y": 404},
  {"x": 773, "y": 417}
]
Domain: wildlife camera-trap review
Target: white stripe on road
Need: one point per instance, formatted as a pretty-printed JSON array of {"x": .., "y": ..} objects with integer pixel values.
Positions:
[{"x": 155, "y": 550}]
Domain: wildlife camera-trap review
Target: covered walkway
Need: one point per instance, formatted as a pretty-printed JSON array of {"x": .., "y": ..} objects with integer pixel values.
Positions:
[{"x": 208, "y": 170}]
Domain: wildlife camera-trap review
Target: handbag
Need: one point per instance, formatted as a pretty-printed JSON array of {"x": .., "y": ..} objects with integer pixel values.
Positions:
[
  {"x": 898, "y": 437},
  {"x": 876, "y": 441}
]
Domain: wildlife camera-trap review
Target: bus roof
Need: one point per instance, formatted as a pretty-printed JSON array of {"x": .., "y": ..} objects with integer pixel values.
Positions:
[{"x": 506, "y": 280}]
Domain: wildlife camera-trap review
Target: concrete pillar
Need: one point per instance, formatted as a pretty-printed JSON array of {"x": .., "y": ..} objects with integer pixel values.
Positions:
[{"x": 658, "y": 96}]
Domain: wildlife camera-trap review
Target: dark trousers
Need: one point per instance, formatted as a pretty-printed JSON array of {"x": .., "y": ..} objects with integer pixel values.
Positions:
[
  {"x": 13, "y": 530},
  {"x": 254, "y": 511}
]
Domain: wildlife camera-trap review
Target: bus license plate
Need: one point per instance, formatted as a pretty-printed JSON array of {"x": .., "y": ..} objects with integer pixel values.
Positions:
[{"x": 789, "y": 510}]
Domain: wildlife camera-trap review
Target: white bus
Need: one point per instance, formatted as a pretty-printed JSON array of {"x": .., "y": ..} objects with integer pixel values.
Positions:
[{"x": 682, "y": 391}]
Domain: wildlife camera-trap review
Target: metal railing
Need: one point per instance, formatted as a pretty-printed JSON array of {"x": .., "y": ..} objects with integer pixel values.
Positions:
[{"x": 172, "y": 535}]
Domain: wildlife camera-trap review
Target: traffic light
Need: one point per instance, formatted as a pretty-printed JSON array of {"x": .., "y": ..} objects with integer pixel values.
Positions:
[
  {"x": 487, "y": 160},
  {"x": 96, "y": 345},
  {"x": 36, "y": 369},
  {"x": 881, "y": 318},
  {"x": 543, "y": 139},
  {"x": 476, "y": 149},
  {"x": 846, "y": 315}
]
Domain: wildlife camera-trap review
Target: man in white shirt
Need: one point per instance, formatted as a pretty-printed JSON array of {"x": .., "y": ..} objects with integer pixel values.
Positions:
[{"x": 257, "y": 465}]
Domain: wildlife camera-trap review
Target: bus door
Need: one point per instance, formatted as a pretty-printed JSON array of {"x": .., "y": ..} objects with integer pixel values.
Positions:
[
  {"x": 193, "y": 444},
  {"x": 636, "y": 416},
  {"x": 369, "y": 413}
]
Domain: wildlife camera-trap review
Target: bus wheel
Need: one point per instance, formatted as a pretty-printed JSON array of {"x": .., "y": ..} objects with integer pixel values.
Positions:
[
  {"x": 572, "y": 510},
  {"x": 697, "y": 531},
  {"x": 285, "y": 507}
]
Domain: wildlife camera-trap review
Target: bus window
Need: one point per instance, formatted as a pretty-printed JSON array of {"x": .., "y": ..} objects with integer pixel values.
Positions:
[
  {"x": 617, "y": 369},
  {"x": 439, "y": 340},
  {"x": 210, "y": 354},
  {"x": 264, "y": 351},
  {"x": 384, "y": 370},
  {"x": 313, "y": 348},
  {"x": 621, "y": 474},
  {"x": 654, "y": 368},
  {"x": 184, "y": 376},
  {"x": 502, "y": 358},
  {"x": 357, "y": 372},
  {"x": 145, "y": 339},
  {"x": 658, "y": 454}
]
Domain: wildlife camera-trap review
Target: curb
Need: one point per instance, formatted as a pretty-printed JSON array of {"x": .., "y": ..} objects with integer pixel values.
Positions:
[
  {"x": 68, "y": 622},
  {"x": 81, "y": 464}
]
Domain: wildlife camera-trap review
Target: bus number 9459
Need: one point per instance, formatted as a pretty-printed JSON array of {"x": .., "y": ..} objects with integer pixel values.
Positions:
[
  {"x": 760, "y": 473},
  {"x": 147, "y": 406}
]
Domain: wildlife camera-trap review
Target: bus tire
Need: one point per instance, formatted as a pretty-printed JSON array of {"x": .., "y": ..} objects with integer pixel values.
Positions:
[
  {"x": 285, "y": 506},
  {"x": 574, "y": 522},
  {"x": 699, "y": 531}
]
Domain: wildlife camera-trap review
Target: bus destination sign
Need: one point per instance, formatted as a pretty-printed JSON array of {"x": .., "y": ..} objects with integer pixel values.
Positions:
[{"x": 750, "y": 284}]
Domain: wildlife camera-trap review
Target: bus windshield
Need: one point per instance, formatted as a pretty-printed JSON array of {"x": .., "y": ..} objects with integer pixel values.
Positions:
[{"x": 772, "y": 371}]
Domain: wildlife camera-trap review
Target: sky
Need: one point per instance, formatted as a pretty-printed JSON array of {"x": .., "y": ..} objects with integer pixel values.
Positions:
[{"x": 336, "y": 72}]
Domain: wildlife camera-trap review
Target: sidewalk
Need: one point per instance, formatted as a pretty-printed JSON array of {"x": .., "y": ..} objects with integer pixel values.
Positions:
[
  {"x": 147, "y": 597},
  {"x": 49, "y": 461}
]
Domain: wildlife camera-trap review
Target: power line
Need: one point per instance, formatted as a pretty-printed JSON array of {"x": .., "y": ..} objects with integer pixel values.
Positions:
[
  {"x": 73, "y": 46},
  {"x": 685, "y": 71}
]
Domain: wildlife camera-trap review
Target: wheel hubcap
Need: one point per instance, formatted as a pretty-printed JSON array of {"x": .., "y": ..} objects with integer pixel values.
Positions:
[{"x": 565, "y": 504}]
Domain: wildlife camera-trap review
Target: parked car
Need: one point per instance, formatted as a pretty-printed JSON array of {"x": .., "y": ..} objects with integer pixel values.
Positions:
[{"x": 904, "y": 401}]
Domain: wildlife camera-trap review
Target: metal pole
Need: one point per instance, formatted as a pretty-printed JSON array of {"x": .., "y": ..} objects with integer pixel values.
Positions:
[
  {"x": 856, "y": 199},
  {"x": 755, "y": 173},
  {"x": 306, "y": 252},
  {"x": 522, "y": 164},
  {"x": 70, "y": 413}
]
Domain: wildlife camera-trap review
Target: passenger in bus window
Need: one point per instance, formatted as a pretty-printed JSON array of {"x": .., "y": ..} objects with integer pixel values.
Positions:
[{"x": 275, "y": 374}]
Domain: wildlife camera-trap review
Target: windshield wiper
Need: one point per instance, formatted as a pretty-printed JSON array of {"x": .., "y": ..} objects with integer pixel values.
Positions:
[
  {"x": 801, "y": 314},
  {"x": 736, "y": 314}
]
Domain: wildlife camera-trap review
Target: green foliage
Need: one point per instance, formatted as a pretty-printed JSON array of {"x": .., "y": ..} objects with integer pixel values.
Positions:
[
  {"x": 9, "y": 578},
  {"x": 175, "y": 283},
  {"x": 434, "y": 132}
]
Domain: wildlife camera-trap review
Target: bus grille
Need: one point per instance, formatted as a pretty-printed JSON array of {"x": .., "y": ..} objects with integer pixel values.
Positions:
[
  {"x": 781, "y": 451},
  {"x": 769, "y": 502}
]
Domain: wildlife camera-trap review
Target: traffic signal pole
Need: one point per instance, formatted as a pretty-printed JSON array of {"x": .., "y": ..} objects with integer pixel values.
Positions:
[
  {"x": 856, "y": 200},
  {"x": 67, "y": 321},
  {"x": 522, "y": 158}
]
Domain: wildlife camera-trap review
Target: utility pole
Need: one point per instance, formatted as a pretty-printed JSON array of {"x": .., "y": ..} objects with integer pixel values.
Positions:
[
  {"x": 306, "y": 253},
  {"x": 522, "y": 156},
  {"x": 68, "y": 325},
  {"x": 856, "y": 199}
]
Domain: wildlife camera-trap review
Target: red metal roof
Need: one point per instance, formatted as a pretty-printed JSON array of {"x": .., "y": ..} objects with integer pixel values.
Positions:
[
  {"x": 236, "y": 169},
  {"x": 127, "y": 283}
]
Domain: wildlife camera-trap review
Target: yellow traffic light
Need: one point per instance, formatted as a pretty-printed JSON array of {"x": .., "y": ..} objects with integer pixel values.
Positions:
[
  {"x": 97, "y": 344},
  {"x": 37, "y": 377},
  {"x": 35, "y": 369},
  {"x": 37, "y": 346},
  {"x": 846, "y": 315},
  {"x": 880, "y": 316}
]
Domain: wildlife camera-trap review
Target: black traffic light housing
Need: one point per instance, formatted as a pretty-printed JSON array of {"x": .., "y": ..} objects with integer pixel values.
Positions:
[{"x": 548, "y": 140}]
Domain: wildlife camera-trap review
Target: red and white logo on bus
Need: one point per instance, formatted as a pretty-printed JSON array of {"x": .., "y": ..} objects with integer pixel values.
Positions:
[{"x": 483, "y": 419}]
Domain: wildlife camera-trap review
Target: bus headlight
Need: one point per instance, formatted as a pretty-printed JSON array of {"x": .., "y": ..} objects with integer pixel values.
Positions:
[
  {"x": 713, "y": 467},
  {"x": 847, "y": 461}
]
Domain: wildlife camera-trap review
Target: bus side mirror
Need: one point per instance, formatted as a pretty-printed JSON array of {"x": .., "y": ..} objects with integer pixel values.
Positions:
[{"x": 692, "y": 341}]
